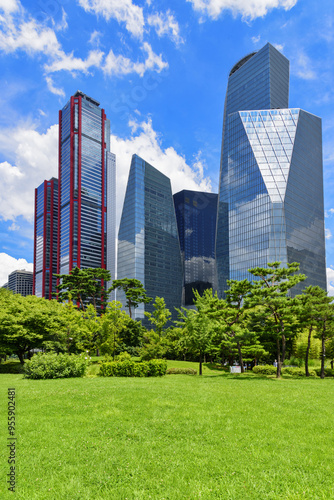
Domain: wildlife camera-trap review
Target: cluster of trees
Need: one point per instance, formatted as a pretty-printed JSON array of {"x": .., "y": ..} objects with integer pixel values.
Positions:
[{"x": 257, "y": 320}]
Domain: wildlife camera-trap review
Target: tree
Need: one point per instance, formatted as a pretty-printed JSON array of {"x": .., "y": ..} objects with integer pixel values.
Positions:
[
  {"x": 134, "y": 292},
  {"x": 112, "y": 323},
  {"x": 275, "y": 313},
  {"x": 160, "y": 316},
  {"x": 310, "y": 306},
  {"x": 197, "y": 330},
  {"x": 27, "y": 322},
  {"x": 85, "y": 286}
]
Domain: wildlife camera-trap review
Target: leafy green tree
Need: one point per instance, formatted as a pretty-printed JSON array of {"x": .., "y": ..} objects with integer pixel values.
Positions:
[
  {"x": 131, "y": 336},
  {"x": 134, "y": 292},
  {"x": 112, "y": 323},
  {"x": 275, "y": 314},
  {"x": 160, "y": 316},
  {"x": 154, "y": 347},
  {"x": 27, "y": 322},
  {"x": 197, "y": 330},
  {"x": 85, "y": 286},
  {"x": 310, "y": 306}
]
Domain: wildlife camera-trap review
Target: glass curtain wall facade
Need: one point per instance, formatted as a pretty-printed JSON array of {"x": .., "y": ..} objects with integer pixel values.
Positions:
[
  {"x": 196, "y": 215},
  {"x": 85, "y": 168},
  {"x": 46, "y": 239},
  {"x": 271, "y": 182},
  {"x": 148, "y": 244}
]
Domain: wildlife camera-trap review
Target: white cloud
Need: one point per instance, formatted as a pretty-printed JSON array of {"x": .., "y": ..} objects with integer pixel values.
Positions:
[
  {"x": 165, "y": 24},
  {"x": 279, "y": 46},
  {"x": 124, "y": 11},
  {"x": 248, "y": 9},
  {"x": 146, "y": 144},
  {"x": 302, "y": 67},
  {"x": 9, "y": 6},
  {"x": 20, "y": 32},
  {"x": 13, "y": 227},
  {"x": 36, "y": 158},
  {"x": 330, "y": 281},
  {"x": 68, "y": 62},
  {"x": 256, "y": 39},
  {"x": 52, "y": 88},
  {"x": 120, "y": 65},
  {"x": 328, "y": 234},
  {"x": 9, "y": 264}
]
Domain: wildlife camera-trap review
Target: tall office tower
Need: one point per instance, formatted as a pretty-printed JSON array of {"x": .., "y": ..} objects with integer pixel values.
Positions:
[
  {"x": 46, "y": 239},
  {"x": 86, "y": 168},
  {"x": 196, "y": 215},
  {"x": 148, "y": 243},
  {"x": 271, "y": 182},
  {"x": 21, "y": 282}
]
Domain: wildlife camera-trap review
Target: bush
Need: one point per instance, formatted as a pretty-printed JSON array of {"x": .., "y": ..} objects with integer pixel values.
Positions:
[
  {"x": 181, "y": 371},
  {"x": 51, "y": 365},
  {"x": 265, "y": 370},
  {"x": 328, "y": 372},
  {"x": 129, "y": 368}
]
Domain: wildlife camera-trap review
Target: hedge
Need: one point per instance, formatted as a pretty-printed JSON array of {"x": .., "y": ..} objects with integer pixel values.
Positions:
[
  {"x": 129, "y": 368},
  {"x": 181, "y": 371}
]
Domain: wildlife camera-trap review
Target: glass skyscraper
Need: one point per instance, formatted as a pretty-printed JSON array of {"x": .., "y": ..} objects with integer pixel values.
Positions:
[
  {"x": 148, "y": 243},
  {"x": 271, "y": 183},
  {"x": 196, "y": 215},
  {"x": 21, "y": 282},
  {"x": 86, "y": 172},
  {"x": 46, "y": 237}
]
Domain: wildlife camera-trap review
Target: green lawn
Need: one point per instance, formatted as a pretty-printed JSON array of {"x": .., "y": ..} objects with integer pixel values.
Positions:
[{"x": 178, "y": 437}]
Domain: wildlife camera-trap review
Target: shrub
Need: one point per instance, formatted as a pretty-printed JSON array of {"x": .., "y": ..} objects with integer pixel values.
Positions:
[
  {"x": 129, "y": 368},
  {"x": 265, "y": 370},
  {"x": 181, "y": 371},
  {"x": 51, "y": 365},
  {"x": 328, "y": 372},
  {"x": 297, "y": 372}
]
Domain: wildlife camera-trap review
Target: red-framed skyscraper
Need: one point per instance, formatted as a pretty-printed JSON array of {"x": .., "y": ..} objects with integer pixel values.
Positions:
[
  {"x": 86, "y": 175},
  {"x": 45, "y": 238}
]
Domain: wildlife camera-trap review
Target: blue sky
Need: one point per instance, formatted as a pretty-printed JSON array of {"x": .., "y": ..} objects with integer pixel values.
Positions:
[{"x": 160, "y": 71}]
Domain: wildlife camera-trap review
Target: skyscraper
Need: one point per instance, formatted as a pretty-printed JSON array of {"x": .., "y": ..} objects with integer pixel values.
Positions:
[
  {"x": 46, "y": 235},
  {"x": 271, "y": 182},
  {"x": 148, "y": 244},
  {"x": 86, "y": 169},
  {"x": 20, "y": 281},
  {"x": 196, "y": 215}
]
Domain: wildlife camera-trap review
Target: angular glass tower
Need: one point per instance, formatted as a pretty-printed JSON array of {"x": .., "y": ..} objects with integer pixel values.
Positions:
[
  {"x": 196, "y": 215},
  {"x": 148, "y": 244},
  {"x": 46, "y": 239},
  {"x": 271, "y": 183},
  {"x": 21, "y": 282},
  {"x": 86, "y": 168}
]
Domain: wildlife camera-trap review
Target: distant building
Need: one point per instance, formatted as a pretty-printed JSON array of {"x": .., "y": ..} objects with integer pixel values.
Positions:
[
  {"x": 86, "y": 170},
  {"x": 148, "y": 243},
  {"x": 21, "y": 282},
  {"x": 196, "y": 215},
  {"x": 271, "y": 205},
  {"x": 46, "y": 239}
]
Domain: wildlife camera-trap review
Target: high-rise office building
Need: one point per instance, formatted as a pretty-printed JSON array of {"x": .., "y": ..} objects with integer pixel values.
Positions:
[
  {"x": 86, "y": 172},
  {"x": 271, "y": 183},
  {"x": 20, "y": 281},
  {"x": 45, "y": 239},
  {"x": 196, "y": 215},
  {"x": 148, "y": 243}
]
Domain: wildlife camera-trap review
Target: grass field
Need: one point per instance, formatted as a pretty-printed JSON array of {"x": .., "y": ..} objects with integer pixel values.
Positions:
[{"x": 218, "y": 436}]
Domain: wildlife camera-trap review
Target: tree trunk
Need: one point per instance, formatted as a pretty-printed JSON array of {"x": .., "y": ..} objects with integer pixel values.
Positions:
[
  {"x": 241, "y": 361},
  {"x": 279, "y": 364},
  {"x": 283, "y": 348},
  {"x": 307, "y": 351},
  {"x": 323, "y": 355},
  {"x": 332, "y": 364},
  {"x": 200, "y": 364},
  {"x": 21, "y": 357}
]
